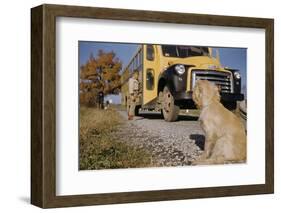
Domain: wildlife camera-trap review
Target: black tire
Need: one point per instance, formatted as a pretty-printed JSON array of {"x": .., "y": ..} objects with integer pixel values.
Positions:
[
  {"x": 161, "y": 115},
  {"x": 230, "y": 105},
  {"x": 137, "y": 110},
  {"x": 169, "y": 109}
]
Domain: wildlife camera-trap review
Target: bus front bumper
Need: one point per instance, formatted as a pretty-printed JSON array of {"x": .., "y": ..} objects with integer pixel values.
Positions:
[{"x": 184, "y": 99}]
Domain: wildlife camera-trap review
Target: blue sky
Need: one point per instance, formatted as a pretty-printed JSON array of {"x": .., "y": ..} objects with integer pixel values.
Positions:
[
  {"x": 230, "y": 57},
  {"x": 123, "y": 51}
]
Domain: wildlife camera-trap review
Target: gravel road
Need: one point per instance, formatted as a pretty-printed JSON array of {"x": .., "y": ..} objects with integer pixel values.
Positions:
[{"x": 170, "y": 143}]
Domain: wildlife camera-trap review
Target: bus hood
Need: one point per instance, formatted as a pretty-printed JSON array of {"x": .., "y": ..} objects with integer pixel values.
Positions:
[{"x": 201, "y": 62}]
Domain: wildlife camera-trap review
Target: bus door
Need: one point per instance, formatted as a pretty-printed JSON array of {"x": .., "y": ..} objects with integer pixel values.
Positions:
[{"x": 150, "y": 73}]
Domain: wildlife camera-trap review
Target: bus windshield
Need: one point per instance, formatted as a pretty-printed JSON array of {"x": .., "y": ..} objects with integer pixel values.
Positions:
[{"x": 184, "y": 51}]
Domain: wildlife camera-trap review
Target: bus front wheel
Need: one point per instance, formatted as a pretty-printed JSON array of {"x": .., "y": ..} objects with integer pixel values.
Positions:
[{"x": 169, "y": 109}]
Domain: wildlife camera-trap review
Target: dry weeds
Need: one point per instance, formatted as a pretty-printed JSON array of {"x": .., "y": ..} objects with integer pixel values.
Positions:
[{"x": 99, "y": 150}]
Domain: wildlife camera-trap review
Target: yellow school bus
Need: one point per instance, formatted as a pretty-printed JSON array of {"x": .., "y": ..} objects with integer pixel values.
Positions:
[{"x": 168, "y": 73}]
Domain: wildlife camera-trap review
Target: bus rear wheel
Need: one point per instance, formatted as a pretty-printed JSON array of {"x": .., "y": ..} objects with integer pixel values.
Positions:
[
  {"x": 137, "y": 110},
  {"x": 169, "y": 109}
]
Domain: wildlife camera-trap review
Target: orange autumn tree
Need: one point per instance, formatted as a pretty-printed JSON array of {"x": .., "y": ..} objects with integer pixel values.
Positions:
[{"x": 99, "y": 74}]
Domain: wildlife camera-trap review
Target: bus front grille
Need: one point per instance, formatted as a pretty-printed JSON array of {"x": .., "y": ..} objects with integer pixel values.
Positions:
[{"x": 222, "y": 79}]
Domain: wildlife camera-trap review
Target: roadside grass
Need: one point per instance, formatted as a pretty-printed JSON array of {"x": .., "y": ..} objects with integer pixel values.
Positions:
[{"x": 98, "y": 149}]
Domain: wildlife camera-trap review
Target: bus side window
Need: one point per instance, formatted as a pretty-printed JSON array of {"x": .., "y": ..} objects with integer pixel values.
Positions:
[
  {"x": 150, "y": 53},
  {"x": 149, "y": 79}
]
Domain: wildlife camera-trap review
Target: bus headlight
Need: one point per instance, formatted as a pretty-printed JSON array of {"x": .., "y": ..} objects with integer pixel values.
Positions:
[
  {"x": 180, "y": 69},
  {"x": 237, "y": 75}
]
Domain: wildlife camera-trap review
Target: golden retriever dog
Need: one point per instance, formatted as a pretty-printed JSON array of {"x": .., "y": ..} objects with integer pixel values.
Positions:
[{"x": 225, "y": 137}]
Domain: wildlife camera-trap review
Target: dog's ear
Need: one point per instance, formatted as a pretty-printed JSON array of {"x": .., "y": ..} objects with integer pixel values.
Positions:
[
  {"x": 216, "y": 96},
  {"x": 213, "y": 91},
  {"x": 199, "y": 88},
  {"x": 197, "y": 94},
  {"x": 202, "y": 84}
]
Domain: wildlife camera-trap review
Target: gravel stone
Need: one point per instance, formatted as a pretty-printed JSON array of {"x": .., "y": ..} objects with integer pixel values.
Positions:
[{"x": 170, "y": 143}]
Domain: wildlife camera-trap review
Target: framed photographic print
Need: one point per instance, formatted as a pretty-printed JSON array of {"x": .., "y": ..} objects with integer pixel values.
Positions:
[{"x": 136, "y": 106}]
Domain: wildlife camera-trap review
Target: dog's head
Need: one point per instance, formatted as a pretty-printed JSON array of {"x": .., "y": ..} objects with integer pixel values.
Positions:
[{"x": 205, "y": 92}]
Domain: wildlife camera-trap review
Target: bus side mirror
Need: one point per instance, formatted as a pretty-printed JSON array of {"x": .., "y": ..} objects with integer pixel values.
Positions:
[
  {"x": 217, "y": 55},
  {"x": 211, "y": 52}
]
